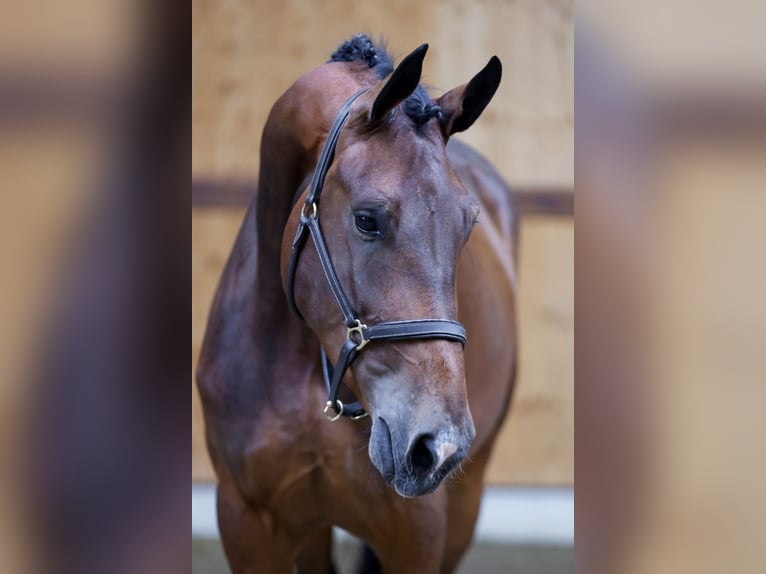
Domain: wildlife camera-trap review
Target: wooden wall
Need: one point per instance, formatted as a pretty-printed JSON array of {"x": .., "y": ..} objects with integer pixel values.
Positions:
[{"x": 246, "y": 53}]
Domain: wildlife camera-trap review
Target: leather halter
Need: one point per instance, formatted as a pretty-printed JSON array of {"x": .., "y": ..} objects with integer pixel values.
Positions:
[{"x": 358, "y": 335}]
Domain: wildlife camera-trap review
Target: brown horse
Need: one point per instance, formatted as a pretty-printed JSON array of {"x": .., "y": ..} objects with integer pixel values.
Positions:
[{"x": 397, "y": 241}]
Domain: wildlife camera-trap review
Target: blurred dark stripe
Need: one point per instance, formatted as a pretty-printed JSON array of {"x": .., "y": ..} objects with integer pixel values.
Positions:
[
  {"x": 213, "y": 193},
  {"x": 530, "y": 201},
  {"x": 730, "y": 112},
  {"x": 34, "y": 97},
  {"x": 544, "y": 201}
]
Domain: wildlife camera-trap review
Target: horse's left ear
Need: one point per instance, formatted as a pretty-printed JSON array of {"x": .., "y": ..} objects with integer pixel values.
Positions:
[{"x": 463, "y": 105}]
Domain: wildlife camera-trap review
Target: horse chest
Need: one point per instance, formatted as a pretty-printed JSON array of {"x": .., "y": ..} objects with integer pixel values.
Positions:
[{"x": 293, "y": 465}]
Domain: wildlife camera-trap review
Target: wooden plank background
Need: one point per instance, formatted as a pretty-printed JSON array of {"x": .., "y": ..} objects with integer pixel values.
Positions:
[{"x": 246, "y": 53}]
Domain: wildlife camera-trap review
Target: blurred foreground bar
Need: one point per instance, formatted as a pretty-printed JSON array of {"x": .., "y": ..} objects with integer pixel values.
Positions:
[
  {"x": 94, "y": 251},
  {"x": 671, "y": 200}
]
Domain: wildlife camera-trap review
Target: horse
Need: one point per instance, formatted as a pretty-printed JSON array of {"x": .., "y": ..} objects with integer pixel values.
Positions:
[{"x": 415, "y": 299}]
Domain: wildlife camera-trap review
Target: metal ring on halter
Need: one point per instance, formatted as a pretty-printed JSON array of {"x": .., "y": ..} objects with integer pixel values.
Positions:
[
  {"x": 358, "y": 328},
  {"x": 329, "y": 407},
  {"x": 313, "y": 206}
]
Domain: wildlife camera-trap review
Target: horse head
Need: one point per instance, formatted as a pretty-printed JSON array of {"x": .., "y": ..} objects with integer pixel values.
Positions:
[{"x": 395, "y": 218}]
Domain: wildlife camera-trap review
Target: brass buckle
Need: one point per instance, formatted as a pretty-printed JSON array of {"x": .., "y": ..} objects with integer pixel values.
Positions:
[
  {"x": 358, "y": 328},
  {"x": 328, "y": 408}
]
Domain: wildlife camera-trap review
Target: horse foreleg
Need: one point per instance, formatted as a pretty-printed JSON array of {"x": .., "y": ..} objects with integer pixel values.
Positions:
[
  {"x": 249, "y": 536},
  {"x": 316, "y": 554},
  {"x": 412, "y": 541}
]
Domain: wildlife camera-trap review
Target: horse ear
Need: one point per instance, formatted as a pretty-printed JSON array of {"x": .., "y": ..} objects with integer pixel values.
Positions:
[
  {"x": 400, "y": 85},
  {"x": 463, "y": 105}
]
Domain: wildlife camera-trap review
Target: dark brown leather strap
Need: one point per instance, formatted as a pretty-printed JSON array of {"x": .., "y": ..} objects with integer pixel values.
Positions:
[
  {"x": 417, "y": 329},
  {"x": 314, "y": 194}
]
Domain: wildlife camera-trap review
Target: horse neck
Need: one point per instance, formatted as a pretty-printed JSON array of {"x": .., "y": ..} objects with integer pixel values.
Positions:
[
  {"x": 251, "y": 337},
  {"x": 291, "y": 143}
]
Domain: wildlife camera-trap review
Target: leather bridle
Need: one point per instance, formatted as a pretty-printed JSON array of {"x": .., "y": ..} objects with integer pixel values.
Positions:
[{"x": 358, "y": 335}]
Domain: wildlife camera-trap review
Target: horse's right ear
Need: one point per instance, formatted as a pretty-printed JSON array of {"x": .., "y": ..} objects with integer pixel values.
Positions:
[
  {"x": 463, "y": 105},
  {"x": 400, "y": 85}
]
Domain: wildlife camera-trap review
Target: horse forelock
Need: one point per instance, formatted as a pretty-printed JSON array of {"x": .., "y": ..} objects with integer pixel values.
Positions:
[{"x": 360, "y": 48}]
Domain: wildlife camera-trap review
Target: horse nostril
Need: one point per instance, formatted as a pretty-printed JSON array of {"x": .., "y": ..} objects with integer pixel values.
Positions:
[{"x": 423, "y": 454}]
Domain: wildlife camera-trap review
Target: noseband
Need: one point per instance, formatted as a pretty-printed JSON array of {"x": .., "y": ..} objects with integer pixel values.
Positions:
[{"x": 358, "y": 335}]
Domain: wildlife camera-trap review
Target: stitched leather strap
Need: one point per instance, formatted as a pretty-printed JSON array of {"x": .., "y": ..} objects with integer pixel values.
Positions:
[
  {"x": 333, "y": 377},
  {"x": 349, "y": 315},
  {"x": 312, "y": 198},
  {"x": 328, "y": 150},
  {"x": 391, "y": 331},
  {"x": 417, "y": 329}
]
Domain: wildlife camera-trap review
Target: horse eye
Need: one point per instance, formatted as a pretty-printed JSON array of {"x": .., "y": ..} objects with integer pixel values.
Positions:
[{"x": 367, "y": 224}]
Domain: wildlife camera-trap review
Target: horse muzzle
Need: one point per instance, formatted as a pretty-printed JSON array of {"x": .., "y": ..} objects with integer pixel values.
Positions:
[{"x": 417, "y": 465}]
